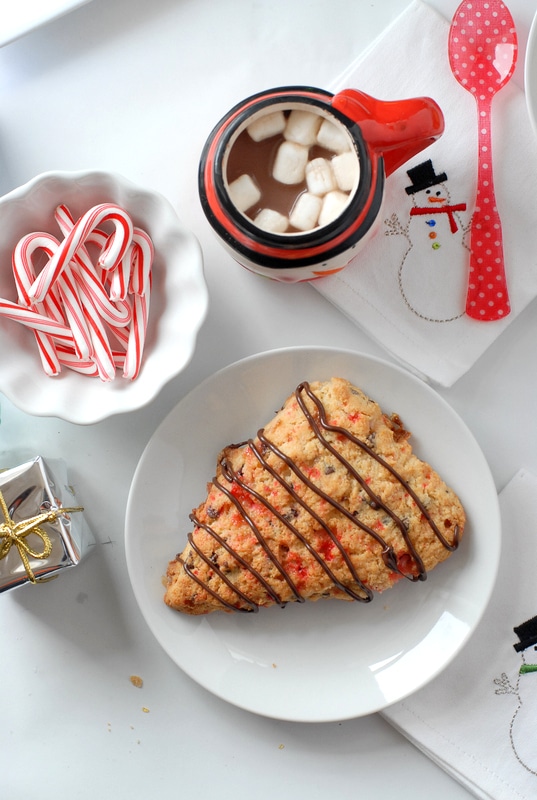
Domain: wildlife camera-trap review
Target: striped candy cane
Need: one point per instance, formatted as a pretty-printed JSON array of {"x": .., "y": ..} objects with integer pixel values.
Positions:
[
  {"x": 111, "y": 255},
  {"x": 88, "y": 306}
]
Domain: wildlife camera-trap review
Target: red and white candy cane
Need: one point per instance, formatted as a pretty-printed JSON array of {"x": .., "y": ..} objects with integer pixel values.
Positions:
[
  {"x": 74, "y": 312},
  {"x": 142, "y": 261},
  {"x": 97, "y": 237},
  {"x": 133, "y": 274},
  {"x": 138, "y": 259},
  {"x": 95, "y": 301},
  {"x": 34, "y": 320},
  {"x": 115, "y": 249},
  {"x": 137, "y": 334},
  {"x": 102, "y": 351},
  {"x": 121, "y": 335},
  {"x": 24, "y": 273},
  {"x": 76, "y": 301},
  {"x": 68, "y": 358},
  {"x": 119, "y": 277},
  {"x": 90, "y": 283},
  {"x": 96, "y": 297}
]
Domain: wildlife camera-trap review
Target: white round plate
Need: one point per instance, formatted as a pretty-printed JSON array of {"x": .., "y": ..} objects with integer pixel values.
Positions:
[
  {"x": 311, "y": 662},
  {"x": 530, "y": 74}
]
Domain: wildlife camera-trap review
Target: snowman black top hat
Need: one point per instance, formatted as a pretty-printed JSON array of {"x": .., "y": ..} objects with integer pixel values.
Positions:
[
  {"x": 423, "y": 176},
  {"x": 527, "y": 633}
]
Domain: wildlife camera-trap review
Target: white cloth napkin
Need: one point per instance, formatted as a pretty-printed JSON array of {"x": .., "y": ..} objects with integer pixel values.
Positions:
[
  {"x": 478, "y": 719},
  {"x": 387, "y": 292}
]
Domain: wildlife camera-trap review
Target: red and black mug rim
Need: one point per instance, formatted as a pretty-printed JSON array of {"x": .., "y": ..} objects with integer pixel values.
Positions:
[{"x": 281, "y": 251}]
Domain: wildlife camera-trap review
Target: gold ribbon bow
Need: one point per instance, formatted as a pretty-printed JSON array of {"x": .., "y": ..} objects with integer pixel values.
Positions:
[{"x": 15, "y": 533}]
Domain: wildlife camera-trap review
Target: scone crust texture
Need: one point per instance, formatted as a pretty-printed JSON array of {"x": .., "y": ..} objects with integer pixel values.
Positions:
[{"x": 328, "y": 500}]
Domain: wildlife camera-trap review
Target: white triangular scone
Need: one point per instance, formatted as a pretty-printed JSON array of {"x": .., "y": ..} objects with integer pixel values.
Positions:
[{"x": 328, "y": 500}]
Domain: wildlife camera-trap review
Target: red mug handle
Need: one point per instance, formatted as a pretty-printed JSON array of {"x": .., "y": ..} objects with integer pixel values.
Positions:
[{"x": 397, "y": 130}]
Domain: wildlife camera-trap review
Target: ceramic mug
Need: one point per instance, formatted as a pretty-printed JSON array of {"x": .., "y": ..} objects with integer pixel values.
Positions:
[{"x": 383, "y": 135}]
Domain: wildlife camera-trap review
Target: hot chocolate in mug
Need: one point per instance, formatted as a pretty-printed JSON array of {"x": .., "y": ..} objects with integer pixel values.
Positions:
[{"x": 292, "y": 179}]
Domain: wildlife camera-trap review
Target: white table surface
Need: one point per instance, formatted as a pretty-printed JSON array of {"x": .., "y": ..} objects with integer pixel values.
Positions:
[
  {"x": 135, "y": 86},
  {"x": 26, "y": 15}
]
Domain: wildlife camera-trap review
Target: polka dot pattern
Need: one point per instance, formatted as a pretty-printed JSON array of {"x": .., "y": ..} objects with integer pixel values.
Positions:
[{"x": 482, "y": 53}]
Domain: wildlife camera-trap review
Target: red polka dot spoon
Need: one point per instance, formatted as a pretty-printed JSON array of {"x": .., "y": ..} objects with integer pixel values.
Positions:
[{"x": 482, "y": 54}]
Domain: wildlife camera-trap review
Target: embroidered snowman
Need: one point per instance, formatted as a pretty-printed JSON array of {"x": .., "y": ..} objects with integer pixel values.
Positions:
[
  {"x": 433, "y": 273},
  {"x": 521, "y": 730}
]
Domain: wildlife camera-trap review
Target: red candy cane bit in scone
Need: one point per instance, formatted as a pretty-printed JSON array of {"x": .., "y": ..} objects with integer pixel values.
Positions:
[
  {"x": 407, "y": 564},
  {"x": 365, "y": 594},
  {"x": 323, "y": 422},
  {"x": 251, "y": 605},
  {"x": 388, "y": 554},
  {"x": 328, "y": 500},
  {"x": 257, "y": 533}
]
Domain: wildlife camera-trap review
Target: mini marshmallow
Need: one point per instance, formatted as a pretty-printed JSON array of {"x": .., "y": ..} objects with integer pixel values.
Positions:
[
  {"x": 305, "y": 212},
  {"x": 243, "y": 192},
  {"x": 290, "y": 163},
  {"x": 333, "y": 205},
  {"x": 302, "y": 127},
  {"x": 333, "y": 137},
  {"x": 266, "y": 126},
  {"x": 320, "y": 177},
  {"x": 271, "y": 221},
  {"x": 346, "y": 170}
]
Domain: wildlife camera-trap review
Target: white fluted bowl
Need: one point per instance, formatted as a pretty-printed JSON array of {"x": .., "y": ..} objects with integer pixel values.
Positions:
[{"x": 179, "y": 298}]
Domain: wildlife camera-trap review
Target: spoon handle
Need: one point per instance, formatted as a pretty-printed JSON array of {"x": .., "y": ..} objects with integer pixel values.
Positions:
[{"x": 487, "y": 296}]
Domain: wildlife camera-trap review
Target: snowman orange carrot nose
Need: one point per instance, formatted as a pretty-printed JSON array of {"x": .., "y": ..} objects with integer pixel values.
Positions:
[{"x": 436, "y": 199}]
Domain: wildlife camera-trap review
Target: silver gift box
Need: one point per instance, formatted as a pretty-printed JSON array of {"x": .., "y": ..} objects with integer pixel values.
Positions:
[{"x": 35, "y": 487}]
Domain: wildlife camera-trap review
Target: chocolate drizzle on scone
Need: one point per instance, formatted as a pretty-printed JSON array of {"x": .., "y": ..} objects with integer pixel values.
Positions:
[
  {"x": 266, "y": 489},
  {"x": 325, "y": 425}
]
